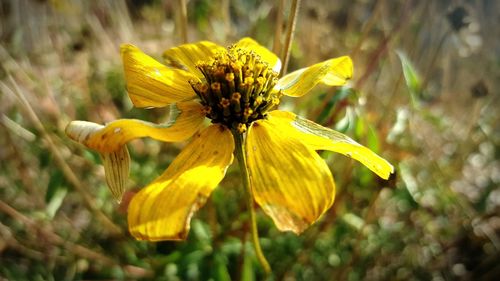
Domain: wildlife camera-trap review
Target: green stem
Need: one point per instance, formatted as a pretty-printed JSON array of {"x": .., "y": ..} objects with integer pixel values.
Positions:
[{"x": 242, "y": 162}]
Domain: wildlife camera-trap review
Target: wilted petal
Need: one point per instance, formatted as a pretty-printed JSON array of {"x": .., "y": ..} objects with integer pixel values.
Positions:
[
  {"x": 116, "y": 169},
  {"x": 116, "y": 162},
  {"x": 186, "y": 119},
  {"x": 266, "y": 55},
  {"x": 163, "y": 209},
  {"x": 318, "y": 137},
  {"x": 188, "y": 55},
  {"x": 152, "y": 84},
  {"x": 333, "y": 72},
  {"x": 290, "y": 181}
]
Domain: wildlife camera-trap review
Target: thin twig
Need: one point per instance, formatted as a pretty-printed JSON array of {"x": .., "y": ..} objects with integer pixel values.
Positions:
[
  {"x": 68, "y": 173},
  {"x": 226, "y": 17},
  {"x": 19, "y": 162},
  {"x": 383, "y": 46},
  {"x": 34, "y": 228},
  {"x": 12, "y": 242},
  {"x": 53, "y": 237},
  {"x": 367, "y": 27},
  {"x": 430, "y": 67},
  {"x": 292, "y": 20},
  {"x": 278, "y": 29},
  {"x": 183, "y": 23}
]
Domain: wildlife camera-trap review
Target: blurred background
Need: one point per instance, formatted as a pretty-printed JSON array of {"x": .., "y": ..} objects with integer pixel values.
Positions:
[{"x": 424, "y": 96}]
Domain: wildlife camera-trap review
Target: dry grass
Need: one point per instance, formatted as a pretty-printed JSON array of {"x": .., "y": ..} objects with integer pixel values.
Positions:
[{"x": 438, "y": 219}]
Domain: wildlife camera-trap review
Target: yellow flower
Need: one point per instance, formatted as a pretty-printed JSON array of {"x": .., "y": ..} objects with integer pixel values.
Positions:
[{"x": 237, "y": 88}]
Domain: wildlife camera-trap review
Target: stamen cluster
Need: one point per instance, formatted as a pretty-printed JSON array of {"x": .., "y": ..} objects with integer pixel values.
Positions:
[{"x": 237, "y": 89}]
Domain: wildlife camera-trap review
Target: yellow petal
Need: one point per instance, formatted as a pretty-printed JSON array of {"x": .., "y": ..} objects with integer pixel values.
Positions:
[
  {"x": 188, "y": 55},
  {"x": 152, "y": 84},
  {"x": 116, "y": 163},
  {"x": 116, "y": 169},
  {"x": 333, "y": 72},
  {"x": 186, "y": 119},
  {"x": 163, "y": 209},
  {"x": 266, "y": 55},
  {"x": 318, "y": 137},
  {"x": 290, "y": 181}
]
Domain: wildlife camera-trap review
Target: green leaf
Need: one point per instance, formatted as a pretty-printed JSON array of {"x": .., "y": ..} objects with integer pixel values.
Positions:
[
  {"x": 369, "y": 137},
  {"x": 412, "y": 78},
  {"x": 353, "y": 220},
  {"x": 360, "y": 128},
  {"x": 410, "y": 182},
  {"x": 347, "y": 122},
  {"x": 56, "y": 192},
  {"x": 340, "y": 94},
  {"x": 202, "y": 231},
  {"x": 220, "y": 271},
  {"x": 232, "y": 246},
  {"x": 248, "y": 270},
  {"x": 373, "y": 141},
  {"x": 400, "y": 126}
]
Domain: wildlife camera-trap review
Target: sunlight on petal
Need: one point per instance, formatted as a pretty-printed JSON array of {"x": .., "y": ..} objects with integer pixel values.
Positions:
[
  {"x": 188, "y": 55},
  {"x": 265, "y": 54},
  {"x": 152, "y": 84},
  {"x": 290, "y": 181},
  {"x": 318, "y": 137},
  {"x": 163, "y": 209},
  {"x": 333, "y": 72},
  {"x": 186, "y": 119}
]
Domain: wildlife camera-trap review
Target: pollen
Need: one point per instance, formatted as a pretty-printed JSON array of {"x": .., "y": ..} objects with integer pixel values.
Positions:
[{"x": 237, "y": 88}]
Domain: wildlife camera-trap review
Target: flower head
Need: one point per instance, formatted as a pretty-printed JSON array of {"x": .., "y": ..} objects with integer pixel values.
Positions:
[{"x": 237, "y": 88}]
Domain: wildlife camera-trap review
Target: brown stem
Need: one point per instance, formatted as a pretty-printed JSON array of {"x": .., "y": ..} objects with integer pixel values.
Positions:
[
  {"x": 292, "y": 21},
  {"x": 78, "y": 250},
  {"x": 382, "y": 47},
  {"x": 279, "y": 28},
  {"x": 183, "y": 21}
]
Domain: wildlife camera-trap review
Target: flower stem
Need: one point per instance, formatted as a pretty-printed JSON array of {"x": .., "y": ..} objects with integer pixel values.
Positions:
[{"x": 240, "y": 154}]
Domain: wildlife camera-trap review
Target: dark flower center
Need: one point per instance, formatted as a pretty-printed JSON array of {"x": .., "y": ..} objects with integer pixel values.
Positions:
[{"x": 237, "y": 89}]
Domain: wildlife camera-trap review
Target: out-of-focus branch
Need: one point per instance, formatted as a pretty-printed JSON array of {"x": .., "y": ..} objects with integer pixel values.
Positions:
[
  {"x": 112, "y": 228},
  {"x": 292, "y": 21},
  {"x": 278, "y": 28},
  {"x": 52, "y": 237},
  {"x": 183, "y": 22}
]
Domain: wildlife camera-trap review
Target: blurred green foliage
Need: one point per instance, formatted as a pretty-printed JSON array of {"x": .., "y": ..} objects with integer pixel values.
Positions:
[{"x": 423, "y": 96}]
